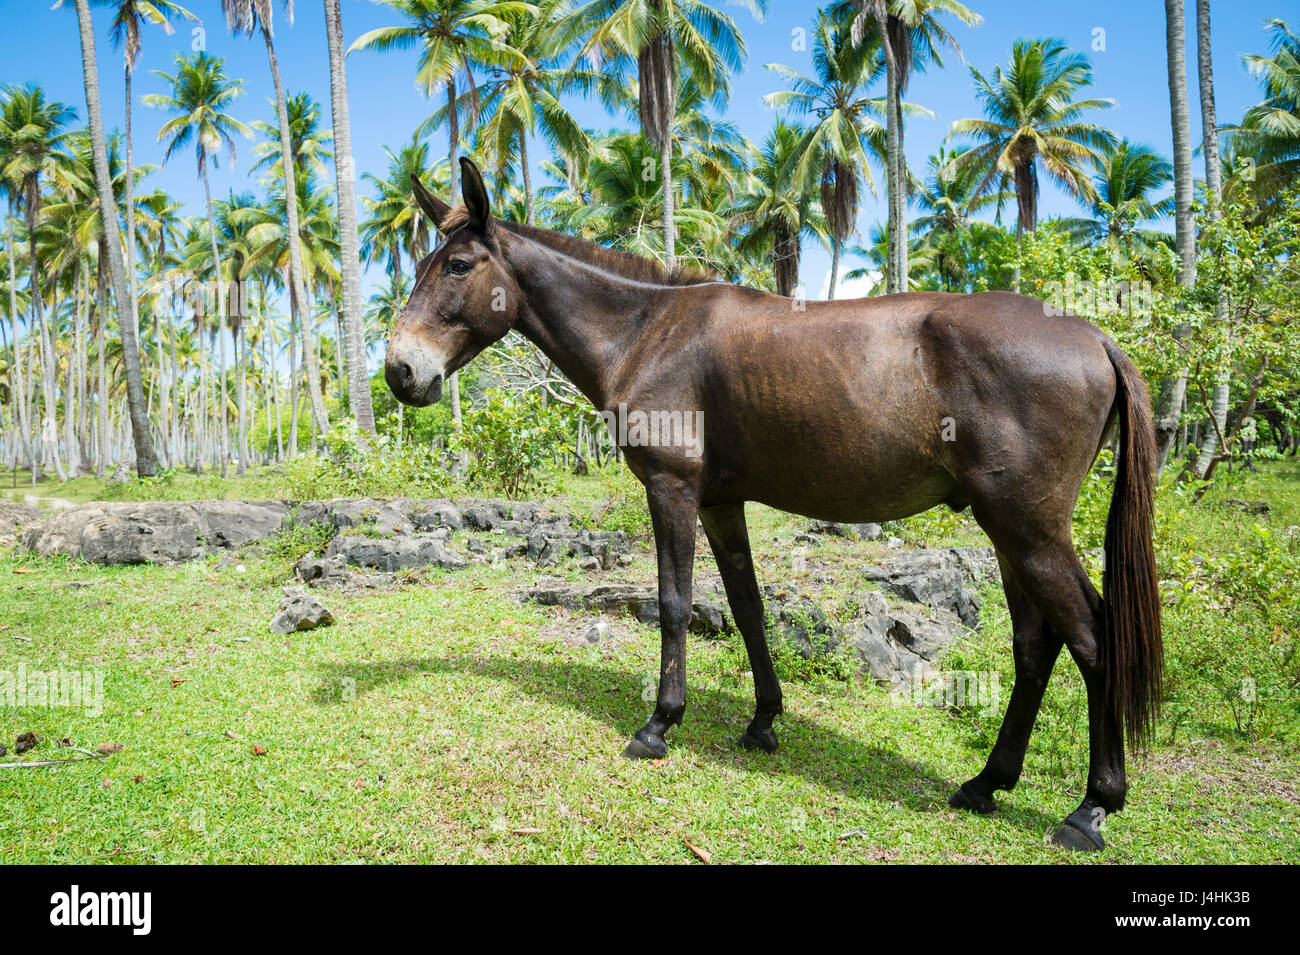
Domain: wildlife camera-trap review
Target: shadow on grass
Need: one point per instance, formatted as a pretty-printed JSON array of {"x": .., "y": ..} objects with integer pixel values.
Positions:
[{"x": 714, "y": 721}]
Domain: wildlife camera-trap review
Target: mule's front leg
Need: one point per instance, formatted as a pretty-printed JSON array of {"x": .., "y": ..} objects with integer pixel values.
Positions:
[{"x": 672, "y": 513}]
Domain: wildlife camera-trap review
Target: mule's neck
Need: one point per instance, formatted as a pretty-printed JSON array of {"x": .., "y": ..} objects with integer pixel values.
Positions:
[{"x": 583, "y": 318}]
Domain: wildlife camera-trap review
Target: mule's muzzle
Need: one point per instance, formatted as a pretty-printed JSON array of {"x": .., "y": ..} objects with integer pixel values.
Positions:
[{"x": 412, "y": 379}]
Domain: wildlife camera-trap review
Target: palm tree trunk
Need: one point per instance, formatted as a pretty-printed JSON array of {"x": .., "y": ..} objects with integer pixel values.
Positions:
[
  {"x": 528, "y": 178},
  {"x": 22, "y": 419},
  {"x": 123, "y": 288},
  {"x": 219, "y": 295},
  {"x": 49, "y": 430},
  {"x": 101, "y": 361},
  {"x": 354, "y": 331},
  {"x": 669, "y": 222},
  {"x": 1174, "y": 386},
  {"x": 891, "y": 148},
  {"x": 1214, "y": 189},
  {"x": 297, "y": 277},
  {"x": 241, "y": 363},
  {"x": 835, "y": 267}
]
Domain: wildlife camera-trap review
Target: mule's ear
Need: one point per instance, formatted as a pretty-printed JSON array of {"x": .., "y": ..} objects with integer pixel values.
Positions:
[
  {"x": 476, "y": 196},
  {"x": 432, "y": 206}
]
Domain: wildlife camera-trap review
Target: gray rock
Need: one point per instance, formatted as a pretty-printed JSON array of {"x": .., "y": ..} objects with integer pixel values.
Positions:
[
  {"x": 154, "y": 532},
  {"x": 897, "y": 645},
  {"x": 299, "y": 610},
  {"x": 15, "y": 518},
  {"x": 432, "y": 514},
  {"x": 797, "y": 620},
  {"x": 597, "y": 631},
  {"x": 384, "y": 517},
  {"x": 707, "y": 616},
  {"x": 868, "y": 532},
  {"x": 934, "y": 577},
  {"x": 399, "y": 553}
]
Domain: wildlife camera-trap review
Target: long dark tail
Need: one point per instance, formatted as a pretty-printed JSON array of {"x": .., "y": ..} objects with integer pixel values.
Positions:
[{"x": 1134, "y": 653}]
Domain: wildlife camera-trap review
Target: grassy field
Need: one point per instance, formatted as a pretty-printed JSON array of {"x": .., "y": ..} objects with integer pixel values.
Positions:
[{"x": 447, "y": 721}]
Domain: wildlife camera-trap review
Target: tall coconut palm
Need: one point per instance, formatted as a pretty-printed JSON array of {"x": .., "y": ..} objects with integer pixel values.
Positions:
[
  {"x": 1169, "y": 404},
  {"x": 521, "y": 97},
  {"x": 14, "y": 135},
  {"x": 256, "y": 16},
  {"x": 123, "y": 286},
  {"x": 33, "y": 133},
  {"x": 774, "y": 215},
  {"x": 1269, "y": 131},
  {"x": 836, "y": 152},
  {"x": 309, "y": 144},
  {"x": 914, "y": 35},
  {"x": 1032, "y": 121},
  {"x": 1203, "y": 466},
  {"x": 200, "y": 91},
  {"x": 665, "y": 40},
  {"x": 353, "y": 318},
  {"x": 129, "y": 20},
  {"x": 1128, "y": 176}
]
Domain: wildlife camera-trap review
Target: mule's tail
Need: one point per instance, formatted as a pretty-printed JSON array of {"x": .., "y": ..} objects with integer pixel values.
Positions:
[{"x": 1133, "y": 651}]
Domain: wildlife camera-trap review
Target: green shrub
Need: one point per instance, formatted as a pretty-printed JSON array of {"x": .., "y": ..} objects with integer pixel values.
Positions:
[
  {"x": 353, "y": 465},
  {"x": 508, "y": 441}
]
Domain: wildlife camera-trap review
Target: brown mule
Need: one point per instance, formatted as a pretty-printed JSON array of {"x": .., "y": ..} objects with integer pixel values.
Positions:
[{"x": 864, "y": 410}]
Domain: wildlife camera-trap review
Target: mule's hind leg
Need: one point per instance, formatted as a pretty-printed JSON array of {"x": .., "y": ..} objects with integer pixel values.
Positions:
[
  {"x": 1036, "y": 648},
  {"x": 729, "y": 538},
  {"x": 1050, "y": 573}
]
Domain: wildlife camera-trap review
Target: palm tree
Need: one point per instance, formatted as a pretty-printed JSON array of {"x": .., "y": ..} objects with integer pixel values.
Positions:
[
  {"x": 914, "y": 34},
  {"x": 522, "y": 97},
  {"x": 775, "y": 215},
  {"x": 249, "y": 16},
  {"x": 1127, "y": 175},
  {"x": 835, "y": 152},
  {"x": 14, "y": 136},
  {"x": 1032, "y": 121},
  {"x": 345, "y": 184},
  {"x": 123, "y": 287},
  {"x": 1169, "y": 404},
  {"x": 1269, "y": 131},
  {"x": 396, "y": 224},
  {"x": 200, "y": 91},
  {"x": 33, "y": 132},
  {"x": 948, "y": 197},
  {"x": 308, "y": 143},
  {"x": 666, "y": 40},
  {"x": 129, "y": 19}
]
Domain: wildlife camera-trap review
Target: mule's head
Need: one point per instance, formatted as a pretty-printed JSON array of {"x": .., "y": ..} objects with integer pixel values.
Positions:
[{"x": 465, "y": 296}]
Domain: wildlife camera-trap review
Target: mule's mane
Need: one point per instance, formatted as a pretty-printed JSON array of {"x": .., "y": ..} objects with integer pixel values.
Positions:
[{"x": 625, "y": 264}]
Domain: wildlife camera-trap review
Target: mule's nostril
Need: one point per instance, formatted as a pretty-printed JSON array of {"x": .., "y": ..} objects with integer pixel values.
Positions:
[{"x": 404, "y": 373}]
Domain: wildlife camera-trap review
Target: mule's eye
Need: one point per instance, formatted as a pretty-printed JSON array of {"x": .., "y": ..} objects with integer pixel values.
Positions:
[{"x": 458, "y": 267}]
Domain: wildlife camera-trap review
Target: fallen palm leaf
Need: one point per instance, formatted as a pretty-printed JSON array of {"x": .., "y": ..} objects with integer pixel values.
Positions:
[{"x": 704, "y": 855}]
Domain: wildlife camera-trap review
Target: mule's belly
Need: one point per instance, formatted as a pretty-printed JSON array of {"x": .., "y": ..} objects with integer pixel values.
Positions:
[{"x": 876, "y": 478}]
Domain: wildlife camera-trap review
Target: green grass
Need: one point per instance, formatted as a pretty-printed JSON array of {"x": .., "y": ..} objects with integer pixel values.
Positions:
[{"x": 443, "y": 720}]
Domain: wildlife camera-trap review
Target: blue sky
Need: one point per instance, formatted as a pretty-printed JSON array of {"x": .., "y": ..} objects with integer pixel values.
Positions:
[{"x": 40, "y": 45}]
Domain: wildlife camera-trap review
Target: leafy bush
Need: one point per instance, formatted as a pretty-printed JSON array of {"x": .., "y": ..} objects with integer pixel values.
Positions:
[
  {"x": 509, "y": 439},
  {"x": 356, "y": 465}
]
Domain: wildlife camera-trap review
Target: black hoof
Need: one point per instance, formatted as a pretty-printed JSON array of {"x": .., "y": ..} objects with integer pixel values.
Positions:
[
  {"x": 1078, "y": 837},
  {"x": 966, "y": 798},
  {"x": 764, "y": 739},
  {"x": 643, "y": 747}
]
